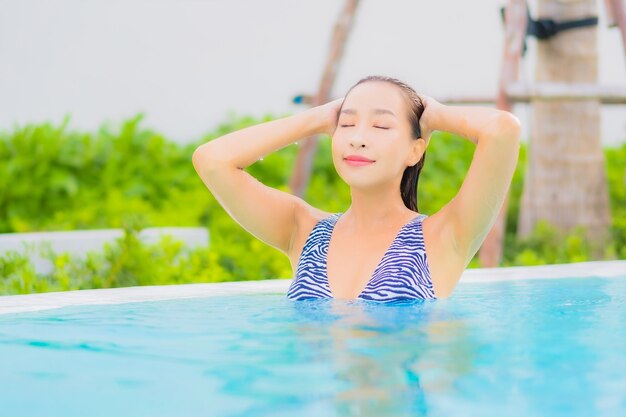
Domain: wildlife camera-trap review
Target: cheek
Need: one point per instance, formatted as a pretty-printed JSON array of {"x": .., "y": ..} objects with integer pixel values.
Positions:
[
  {"x": 337, "y": 145},
  {"x": 336, "y": 151},
  {"x": 396, "y": 154}
]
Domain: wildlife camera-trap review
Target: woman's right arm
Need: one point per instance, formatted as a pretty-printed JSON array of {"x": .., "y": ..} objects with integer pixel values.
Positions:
[{"x": 265, "y": 212}]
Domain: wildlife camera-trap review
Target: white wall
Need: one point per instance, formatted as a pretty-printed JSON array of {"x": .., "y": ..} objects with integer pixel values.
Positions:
[{"x": 186, "y": 64}]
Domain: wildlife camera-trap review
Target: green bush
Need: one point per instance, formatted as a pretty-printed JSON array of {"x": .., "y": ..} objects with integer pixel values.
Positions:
[
  {"x": 52, "y": 178},
  {"x": 616, "y": 175},
  {"x": 126, "y": 262}
]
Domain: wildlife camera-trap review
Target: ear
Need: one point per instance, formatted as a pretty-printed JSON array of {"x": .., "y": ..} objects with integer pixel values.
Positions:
[{"x": 418, "y": 147}]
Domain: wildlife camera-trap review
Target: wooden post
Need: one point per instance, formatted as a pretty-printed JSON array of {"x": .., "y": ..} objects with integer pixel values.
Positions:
[
  {"x": 565, "y": 179},
  {"x": 304, "y": 160},
  {"x": 616, "y": 16},
  {"x": 611, "y": 21},
  {"x": 515, "y": 20}
]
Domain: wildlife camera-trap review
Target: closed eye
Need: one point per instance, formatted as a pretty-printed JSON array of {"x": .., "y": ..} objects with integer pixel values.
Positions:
[{"x": 377, "y": 127}]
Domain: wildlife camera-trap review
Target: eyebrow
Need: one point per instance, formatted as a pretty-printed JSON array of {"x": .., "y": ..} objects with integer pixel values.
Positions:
[{"x": 375, "y": 111}]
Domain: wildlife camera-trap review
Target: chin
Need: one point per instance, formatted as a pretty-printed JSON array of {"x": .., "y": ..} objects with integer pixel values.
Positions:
[{"x": 356, "y": 180}]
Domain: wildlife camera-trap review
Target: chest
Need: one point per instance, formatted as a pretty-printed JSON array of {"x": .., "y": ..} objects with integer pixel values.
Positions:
[{"x": 351, "y": 262}]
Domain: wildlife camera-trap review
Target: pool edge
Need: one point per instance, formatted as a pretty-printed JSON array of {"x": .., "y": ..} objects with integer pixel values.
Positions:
[{"x": 45, "y": 301}]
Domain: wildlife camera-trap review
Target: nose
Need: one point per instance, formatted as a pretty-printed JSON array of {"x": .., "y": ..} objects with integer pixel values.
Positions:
[{"x": 356, "y": 141}]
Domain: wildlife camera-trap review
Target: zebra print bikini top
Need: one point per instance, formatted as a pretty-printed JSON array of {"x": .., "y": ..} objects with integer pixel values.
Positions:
[{"x": 401, "y": 274}]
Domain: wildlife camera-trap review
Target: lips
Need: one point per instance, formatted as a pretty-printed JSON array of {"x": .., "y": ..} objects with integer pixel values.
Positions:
[{"x": 357, "y": 158}]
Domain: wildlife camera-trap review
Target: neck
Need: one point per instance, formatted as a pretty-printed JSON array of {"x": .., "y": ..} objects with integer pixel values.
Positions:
[{"x": 373, "y": 207}]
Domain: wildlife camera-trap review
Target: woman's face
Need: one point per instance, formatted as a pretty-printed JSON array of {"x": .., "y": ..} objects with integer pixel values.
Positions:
[{"x": 374, "y": 124}]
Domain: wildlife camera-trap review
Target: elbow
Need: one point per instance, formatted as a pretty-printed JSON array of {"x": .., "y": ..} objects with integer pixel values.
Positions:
[
  {"x": 509, "y": 126},
  {"x": 504, "y": 127},
  {"x": 200, "y": 158},
  {"x": 205, "y": 160}
]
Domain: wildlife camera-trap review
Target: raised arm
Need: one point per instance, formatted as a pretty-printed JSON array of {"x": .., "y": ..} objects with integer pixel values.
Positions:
[
  {"x": 471, "y": 214},
  {"x": 265, "y": 212}
]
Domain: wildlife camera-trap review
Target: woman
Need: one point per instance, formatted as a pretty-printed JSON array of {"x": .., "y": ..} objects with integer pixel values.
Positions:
[{"x": 379, "y": 249}]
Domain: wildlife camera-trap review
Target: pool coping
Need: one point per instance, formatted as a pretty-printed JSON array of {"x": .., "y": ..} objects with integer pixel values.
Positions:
[{"x": 52, "y": 300}]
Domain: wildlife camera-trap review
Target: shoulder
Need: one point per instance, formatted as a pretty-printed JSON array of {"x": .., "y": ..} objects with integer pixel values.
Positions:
[
  {"x": 306, "y": 214},
  {"x": 306, "y": 217}
]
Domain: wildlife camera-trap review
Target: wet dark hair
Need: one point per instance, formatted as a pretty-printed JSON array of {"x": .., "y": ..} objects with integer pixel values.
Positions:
[{"x": 410, "y": 177}]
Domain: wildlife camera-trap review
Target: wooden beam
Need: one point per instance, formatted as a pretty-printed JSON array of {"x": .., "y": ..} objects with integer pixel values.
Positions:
[
  {"x": 519, "y": 93},
  {"x": 304, "y": 160},
  {"x": 550, "y": 91},
  {"x": 452, "y": 100}
]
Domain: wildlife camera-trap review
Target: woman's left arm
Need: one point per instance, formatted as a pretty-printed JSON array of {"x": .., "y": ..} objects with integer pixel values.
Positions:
[{"x": 496, "y": 133}]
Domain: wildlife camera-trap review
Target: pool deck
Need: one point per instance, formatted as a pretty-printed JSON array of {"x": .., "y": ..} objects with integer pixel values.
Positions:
[{"x": 45, "y": 301}]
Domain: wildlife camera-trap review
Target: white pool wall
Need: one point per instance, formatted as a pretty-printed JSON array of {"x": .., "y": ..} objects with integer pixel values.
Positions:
[{"x": 45, "y": 301}]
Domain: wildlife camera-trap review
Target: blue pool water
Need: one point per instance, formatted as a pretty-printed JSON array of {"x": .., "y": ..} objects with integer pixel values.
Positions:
[{"x": 524, "y": 348}]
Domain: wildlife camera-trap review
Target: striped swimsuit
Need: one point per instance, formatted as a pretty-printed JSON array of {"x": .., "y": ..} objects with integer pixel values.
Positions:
[{"x": 402, "y": 273}]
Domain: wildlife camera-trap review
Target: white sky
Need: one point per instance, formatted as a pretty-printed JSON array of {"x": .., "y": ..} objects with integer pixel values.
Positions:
[{"x": 187, "y": 64}]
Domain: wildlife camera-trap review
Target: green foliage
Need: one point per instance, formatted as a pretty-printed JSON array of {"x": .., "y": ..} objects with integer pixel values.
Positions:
[
  {"x": 616, "y": 176},
  {"x": 126, "y": 262},
  {"x": 548, "y": 246},
  {"x": 448, "y": 158},
  {"x": 55, "y": 179},
  {"x": 18, "y": 275}
]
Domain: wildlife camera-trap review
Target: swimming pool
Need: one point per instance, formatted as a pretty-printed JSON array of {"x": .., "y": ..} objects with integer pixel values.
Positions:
[{"x": 540, "y": 347}]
